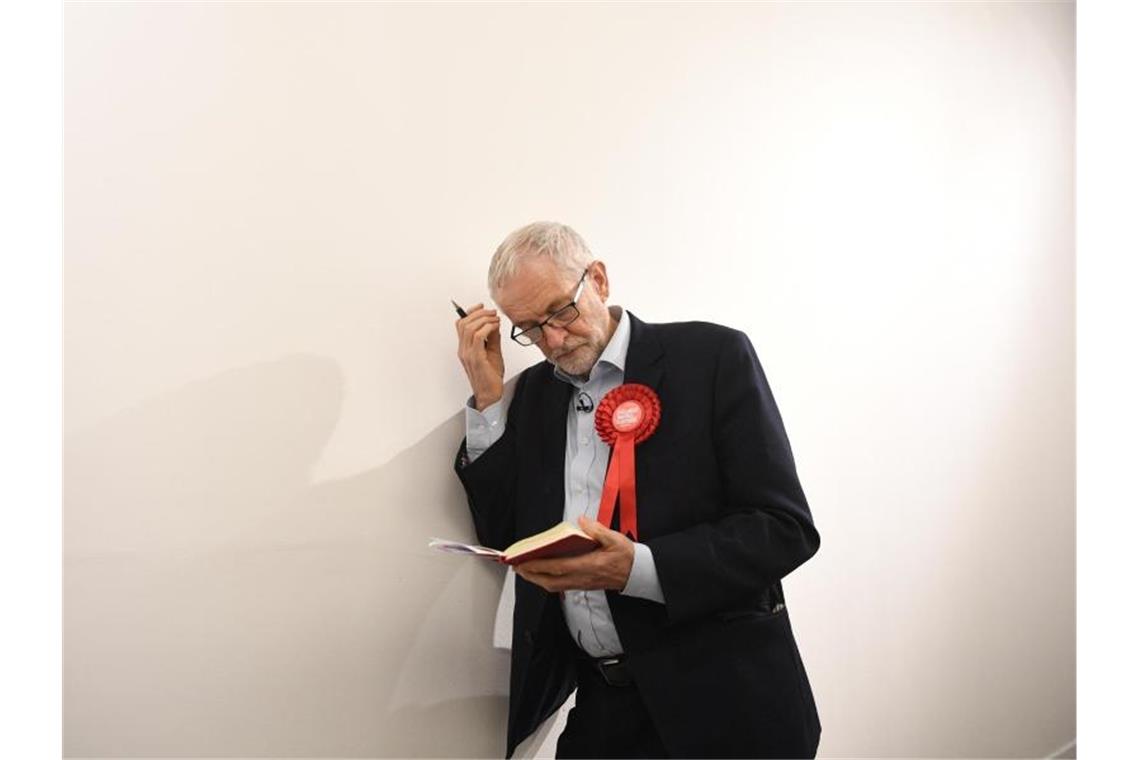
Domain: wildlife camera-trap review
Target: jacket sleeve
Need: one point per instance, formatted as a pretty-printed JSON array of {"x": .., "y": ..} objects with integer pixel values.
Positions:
[
  {"x": 765, "y": 528},
  {"x": 490, "y": 484}
]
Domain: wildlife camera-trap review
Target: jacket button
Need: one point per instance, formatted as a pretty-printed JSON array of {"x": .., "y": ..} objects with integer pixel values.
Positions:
[{"x": 528, "y": 637}]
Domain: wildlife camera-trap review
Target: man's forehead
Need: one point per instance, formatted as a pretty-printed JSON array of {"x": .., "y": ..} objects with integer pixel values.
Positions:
[{"x": 534, "y": 290}]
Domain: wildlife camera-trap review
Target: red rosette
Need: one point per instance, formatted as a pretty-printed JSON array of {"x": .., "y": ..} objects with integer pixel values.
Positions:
[
  {"x": 645, "y": 398},
  {"x": 627, "y": 416}
]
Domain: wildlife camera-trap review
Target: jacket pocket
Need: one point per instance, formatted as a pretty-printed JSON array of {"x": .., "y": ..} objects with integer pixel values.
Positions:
[{"x": 738, "y": 615}]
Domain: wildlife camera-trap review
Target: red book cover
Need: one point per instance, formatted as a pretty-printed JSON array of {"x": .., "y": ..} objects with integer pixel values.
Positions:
[{"x": 566, "y": 546}]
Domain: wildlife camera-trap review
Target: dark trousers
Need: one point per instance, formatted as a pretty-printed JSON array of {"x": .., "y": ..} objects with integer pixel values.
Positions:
[{"x": 607, "y": 721}]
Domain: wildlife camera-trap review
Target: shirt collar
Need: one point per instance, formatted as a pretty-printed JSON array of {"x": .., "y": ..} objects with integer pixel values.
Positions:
[{"x": 614, "y": 353}]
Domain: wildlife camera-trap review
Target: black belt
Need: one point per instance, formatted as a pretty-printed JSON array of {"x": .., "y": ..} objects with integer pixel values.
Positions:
[{"x": 613, "y": 670}]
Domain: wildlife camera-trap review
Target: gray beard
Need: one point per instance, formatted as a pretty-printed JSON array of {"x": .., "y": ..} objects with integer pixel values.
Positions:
[{"x": 584, "y": 374}]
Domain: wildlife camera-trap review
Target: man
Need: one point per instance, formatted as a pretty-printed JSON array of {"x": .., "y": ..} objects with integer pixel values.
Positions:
[{"x": 678, "y": 642}]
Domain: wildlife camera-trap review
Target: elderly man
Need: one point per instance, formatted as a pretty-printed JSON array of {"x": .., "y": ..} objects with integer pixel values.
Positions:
[{"x": 674, "y": 629}]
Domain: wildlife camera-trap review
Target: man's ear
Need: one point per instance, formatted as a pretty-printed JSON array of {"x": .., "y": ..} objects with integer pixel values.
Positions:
[{"x": 601, "y": 279}]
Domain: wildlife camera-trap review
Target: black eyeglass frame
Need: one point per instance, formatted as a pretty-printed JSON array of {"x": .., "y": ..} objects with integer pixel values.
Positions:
[{"x": 518, "y": 333}]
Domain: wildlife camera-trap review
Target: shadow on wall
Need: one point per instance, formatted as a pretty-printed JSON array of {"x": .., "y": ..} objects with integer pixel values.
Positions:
[{"x": 219, "y": 603}]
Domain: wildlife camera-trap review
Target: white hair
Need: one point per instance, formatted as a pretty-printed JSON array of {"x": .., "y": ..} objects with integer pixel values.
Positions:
[{"x": 558, "y": 242}]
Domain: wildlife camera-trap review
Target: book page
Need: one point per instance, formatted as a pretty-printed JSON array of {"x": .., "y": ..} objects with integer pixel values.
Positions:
[{"x": 455, "y": 547}]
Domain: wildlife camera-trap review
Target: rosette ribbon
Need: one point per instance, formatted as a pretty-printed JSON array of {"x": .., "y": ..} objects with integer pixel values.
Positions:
[{"x": 626, "y": 416}]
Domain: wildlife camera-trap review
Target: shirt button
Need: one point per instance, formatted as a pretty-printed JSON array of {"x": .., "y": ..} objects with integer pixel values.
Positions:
[{"x": 586, "y": 441}]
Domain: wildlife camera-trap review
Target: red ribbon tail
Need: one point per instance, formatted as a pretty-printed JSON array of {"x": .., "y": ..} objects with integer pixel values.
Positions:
[
  {"x": 609, "y": 491},
  {"x": 623, "y": 452}
]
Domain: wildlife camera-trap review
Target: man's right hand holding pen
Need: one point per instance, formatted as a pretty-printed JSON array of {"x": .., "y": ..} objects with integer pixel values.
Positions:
[{"x": 481, "y": 353}]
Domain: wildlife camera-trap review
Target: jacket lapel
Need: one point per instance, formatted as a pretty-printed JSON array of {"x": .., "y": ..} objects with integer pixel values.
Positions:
[
  {"x": 643, "y": 361},
  {"x": 555, "y": 405},
  {"x": 645, "y": 364}
]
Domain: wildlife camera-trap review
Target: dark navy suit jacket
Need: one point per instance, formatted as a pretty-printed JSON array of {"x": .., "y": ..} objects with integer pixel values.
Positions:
[{"x": 720, "y": 506}]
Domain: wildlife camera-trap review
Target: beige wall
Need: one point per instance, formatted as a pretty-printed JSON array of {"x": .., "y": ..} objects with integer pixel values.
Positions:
[{"x": 268, "y": 206}]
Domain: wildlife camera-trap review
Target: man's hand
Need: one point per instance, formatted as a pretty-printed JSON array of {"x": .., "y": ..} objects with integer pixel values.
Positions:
[
  {"x": 481, "y": 354},
  {"x": 606, "y": 567}
]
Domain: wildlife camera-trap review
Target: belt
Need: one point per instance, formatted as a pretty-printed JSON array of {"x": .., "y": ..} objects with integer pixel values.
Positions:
[{"x": 613, "y": 670}]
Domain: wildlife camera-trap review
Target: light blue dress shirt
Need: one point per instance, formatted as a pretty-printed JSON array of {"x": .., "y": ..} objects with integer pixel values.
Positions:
[{"x": 587, "y": 612}]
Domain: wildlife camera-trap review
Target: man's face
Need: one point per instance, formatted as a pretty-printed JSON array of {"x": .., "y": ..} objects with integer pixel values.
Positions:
[{"x": 538, "y": 289}]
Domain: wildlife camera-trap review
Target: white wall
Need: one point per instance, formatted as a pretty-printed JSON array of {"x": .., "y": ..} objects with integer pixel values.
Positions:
[{"x": 268, "y": 206}]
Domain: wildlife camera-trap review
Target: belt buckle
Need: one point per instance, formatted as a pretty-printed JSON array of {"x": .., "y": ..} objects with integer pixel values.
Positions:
[{"x": 614, "y": 671}]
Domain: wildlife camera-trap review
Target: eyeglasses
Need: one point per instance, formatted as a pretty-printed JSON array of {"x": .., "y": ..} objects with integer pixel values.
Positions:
[{"x": 561, "y": 318}]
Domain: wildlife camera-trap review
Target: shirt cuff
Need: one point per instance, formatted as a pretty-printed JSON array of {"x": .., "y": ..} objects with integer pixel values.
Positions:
[
  {"x": 643, "y": 582},
  {"x": 483, "y": 428}
]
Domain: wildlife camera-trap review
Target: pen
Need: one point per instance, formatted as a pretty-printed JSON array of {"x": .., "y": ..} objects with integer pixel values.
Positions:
[{"x": 458, "y": 310}]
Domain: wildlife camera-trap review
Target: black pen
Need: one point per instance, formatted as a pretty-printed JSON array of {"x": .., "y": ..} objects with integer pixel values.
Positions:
[{"x": 458, "y": 310}]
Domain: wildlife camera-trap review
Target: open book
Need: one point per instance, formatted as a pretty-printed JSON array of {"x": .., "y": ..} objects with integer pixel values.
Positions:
[{"x": 563, "y": 540}]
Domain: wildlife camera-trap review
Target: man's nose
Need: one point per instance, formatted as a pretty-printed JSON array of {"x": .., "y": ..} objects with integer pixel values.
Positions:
[{"x": 554, "y": 336}]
